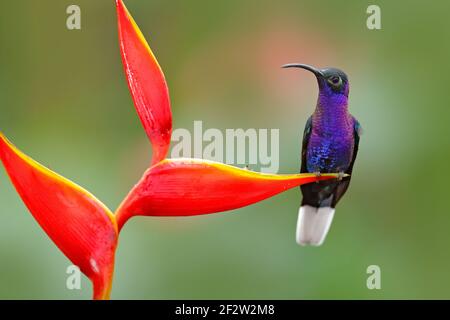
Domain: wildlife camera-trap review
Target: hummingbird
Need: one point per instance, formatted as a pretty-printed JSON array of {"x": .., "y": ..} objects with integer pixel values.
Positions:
[{"x": 330, "y": 145}]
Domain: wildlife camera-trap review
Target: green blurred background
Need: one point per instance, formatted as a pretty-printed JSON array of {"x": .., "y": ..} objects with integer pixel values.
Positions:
[{"x": 65, "y": 102}]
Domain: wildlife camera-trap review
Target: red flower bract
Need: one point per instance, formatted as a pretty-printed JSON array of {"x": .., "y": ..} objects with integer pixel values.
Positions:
[
  {"x": 185, "y": 187},
  {"x": 79, "y": 224},
  {"x": 146, "y": 82}
]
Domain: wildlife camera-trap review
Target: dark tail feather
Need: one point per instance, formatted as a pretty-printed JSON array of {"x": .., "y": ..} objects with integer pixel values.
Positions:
[{"x": 324, "y": 193}]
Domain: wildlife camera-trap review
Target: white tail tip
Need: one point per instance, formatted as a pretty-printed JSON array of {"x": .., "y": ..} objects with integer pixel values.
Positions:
[{"x": 313, "y": 225}]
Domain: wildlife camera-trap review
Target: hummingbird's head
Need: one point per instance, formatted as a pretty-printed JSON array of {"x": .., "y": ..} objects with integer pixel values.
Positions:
[{"x": 332, "y": 81}]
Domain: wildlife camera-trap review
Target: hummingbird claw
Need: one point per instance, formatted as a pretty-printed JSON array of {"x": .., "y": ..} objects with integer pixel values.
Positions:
[
  {"x": 341, "y": 175},
  {"x": 318, "y": 174}
]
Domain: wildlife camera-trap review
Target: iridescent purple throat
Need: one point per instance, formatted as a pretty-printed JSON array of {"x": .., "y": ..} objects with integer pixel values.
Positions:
[{"x": 331, "y": 143}]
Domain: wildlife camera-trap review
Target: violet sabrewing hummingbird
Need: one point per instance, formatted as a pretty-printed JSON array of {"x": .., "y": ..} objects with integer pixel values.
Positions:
[{"x": 330, "y": 144}]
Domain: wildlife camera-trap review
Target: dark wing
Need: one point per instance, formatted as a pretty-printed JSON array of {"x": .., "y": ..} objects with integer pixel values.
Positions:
[
  {"x": 306, "y": 135},
  {"x": 343, "y": 185},
  {"x": 357, "y": 129}
]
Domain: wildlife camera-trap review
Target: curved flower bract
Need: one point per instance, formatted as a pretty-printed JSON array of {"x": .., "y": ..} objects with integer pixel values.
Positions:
[
  {"x": 81, "y": 226},
  {"x": 185, "y": 187},
  {"x": 146, "y": 82}
]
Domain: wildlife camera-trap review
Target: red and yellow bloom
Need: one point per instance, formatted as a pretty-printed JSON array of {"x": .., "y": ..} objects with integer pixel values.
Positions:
[{"x": 83, "y": 228}]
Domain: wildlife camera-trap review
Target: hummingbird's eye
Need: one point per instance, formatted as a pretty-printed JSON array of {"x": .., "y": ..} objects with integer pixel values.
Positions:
[{"x": 335, "y": 81}]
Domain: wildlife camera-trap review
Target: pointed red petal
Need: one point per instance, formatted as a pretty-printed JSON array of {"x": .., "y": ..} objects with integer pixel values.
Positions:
[
  {"x": 184, "y": 187},
  {"x": 80, "y": 225},
  {"x": 146, "y": 82}
]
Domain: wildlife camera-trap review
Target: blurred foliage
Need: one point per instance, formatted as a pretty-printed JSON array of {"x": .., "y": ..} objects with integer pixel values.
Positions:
[{"x": 65, "y": 102}]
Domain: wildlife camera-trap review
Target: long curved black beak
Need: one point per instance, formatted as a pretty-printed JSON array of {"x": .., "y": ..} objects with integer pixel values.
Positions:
[{"x": 316, "y": 71}]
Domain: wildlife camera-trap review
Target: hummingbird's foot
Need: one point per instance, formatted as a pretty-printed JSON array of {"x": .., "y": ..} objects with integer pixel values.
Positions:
[
  {"x": 341, "y": 175},
  {"x": 318, "y": 174},
  {"x": 247, "y": 167}
]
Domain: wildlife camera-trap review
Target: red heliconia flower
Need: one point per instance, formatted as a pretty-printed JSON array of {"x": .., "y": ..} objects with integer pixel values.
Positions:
[{"x": 83, "y": 228}]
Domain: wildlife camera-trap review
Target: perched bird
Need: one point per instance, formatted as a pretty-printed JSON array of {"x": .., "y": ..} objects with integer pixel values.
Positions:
[{"x": 330, "y": 144}]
